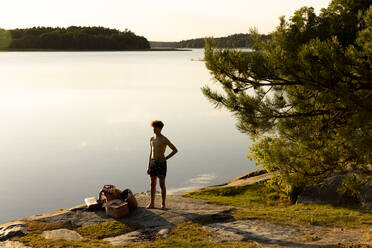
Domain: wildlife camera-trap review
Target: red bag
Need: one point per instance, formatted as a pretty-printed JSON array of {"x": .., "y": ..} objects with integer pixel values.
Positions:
[{"x": 109, "y": 191}]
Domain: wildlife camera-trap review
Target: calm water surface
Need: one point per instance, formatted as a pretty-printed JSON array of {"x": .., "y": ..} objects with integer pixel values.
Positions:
[{"x": 74, "y": 121}]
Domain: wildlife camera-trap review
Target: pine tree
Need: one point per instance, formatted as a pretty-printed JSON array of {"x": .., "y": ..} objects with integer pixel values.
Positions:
[{"x": 305, "y": 97}]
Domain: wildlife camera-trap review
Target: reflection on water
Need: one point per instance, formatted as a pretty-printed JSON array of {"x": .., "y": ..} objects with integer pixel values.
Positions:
[{"x": 73, "y": 121}]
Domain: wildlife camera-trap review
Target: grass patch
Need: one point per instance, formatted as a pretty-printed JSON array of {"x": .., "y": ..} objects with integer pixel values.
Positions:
[
  {"x": 310, "y": 238},
  {"x": 37, "y": 241},
  {"x": 104, "y": 230},
  {"x": 254, "y": 195},
  {"x": 184, "y": 235},
  {"x": 258, "y": 202}
]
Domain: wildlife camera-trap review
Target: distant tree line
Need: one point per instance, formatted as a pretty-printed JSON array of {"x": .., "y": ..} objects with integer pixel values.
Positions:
[
  {"x": 231, "y": 41},
  {"x": 163, "y": 44},
  {"x": 75, "y": 38}
]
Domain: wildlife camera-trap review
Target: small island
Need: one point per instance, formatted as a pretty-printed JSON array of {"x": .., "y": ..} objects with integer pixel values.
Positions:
[{"x": 72, "y": 38}]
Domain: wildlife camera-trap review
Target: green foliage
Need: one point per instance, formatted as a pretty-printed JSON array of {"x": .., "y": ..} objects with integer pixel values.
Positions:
[
  {"x": 305, "y": 97},
  {"x": 231, "y": 41},
  {"x": 259, "y": 201},
  {"x": 351, "y": 186},
  {"x": 5, "y": 38},
  {"x": 74, "y": 38}
]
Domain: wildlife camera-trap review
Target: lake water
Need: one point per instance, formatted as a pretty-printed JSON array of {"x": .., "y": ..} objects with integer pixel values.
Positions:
[{"x": 74, "y": 121}]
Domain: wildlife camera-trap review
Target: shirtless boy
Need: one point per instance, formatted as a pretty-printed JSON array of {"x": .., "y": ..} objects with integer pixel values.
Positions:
[{"x": 158, "y": 162}]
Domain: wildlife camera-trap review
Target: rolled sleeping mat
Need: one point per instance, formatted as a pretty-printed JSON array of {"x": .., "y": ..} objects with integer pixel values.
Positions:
[{"x": 131, "y": 199}]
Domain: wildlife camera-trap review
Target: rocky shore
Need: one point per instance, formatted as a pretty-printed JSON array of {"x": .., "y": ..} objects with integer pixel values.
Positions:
[{"x": 157, "y": 223}]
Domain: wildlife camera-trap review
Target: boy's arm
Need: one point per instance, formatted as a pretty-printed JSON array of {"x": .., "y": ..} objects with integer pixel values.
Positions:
[
  {"x": 171, "y": 146},
  {"x": 148, "y": 167}
]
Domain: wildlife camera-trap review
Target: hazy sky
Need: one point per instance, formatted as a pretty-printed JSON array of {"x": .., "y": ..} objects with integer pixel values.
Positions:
[{"x": 161, "y": 20}]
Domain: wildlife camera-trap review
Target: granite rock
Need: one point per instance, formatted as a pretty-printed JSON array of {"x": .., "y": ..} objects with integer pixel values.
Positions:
[
  {"x": 324, "y": 192},
  {"x": 65, "y": 234},
  {"x": 12, "y": 230},
  {"x": 12, "y": 244}
]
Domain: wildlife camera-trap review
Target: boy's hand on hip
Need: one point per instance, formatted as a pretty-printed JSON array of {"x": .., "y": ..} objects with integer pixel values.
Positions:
[{"x": 161, "y": 160}]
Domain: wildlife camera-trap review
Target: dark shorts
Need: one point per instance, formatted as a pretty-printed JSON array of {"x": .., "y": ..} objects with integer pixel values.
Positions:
[{"x": 158, "y": 169}]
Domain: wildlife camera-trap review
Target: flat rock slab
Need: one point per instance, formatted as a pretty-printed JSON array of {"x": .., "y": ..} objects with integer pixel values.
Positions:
[
  {"x": 141, "y": 235},
  {"x": 65, "y": 234},
  {"x": 81, "y": 217},
  {"x": 12, "y": 244},
  {"x": 179, "y": 209},
  {"x": 135, "y": 236},
  {"x": 243, "y": 181},
  {"x": 256, "y": 230},
  {"x": 281, "y": 235}
]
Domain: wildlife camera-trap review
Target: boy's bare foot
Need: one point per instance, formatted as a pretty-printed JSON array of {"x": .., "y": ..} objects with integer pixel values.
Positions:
[
  {"x": 150, "y": 206},
  {"x": 163, "y": 206}
]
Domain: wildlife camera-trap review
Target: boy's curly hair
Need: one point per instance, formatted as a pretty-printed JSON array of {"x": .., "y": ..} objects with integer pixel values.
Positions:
[{"x": 157, "y": 123}]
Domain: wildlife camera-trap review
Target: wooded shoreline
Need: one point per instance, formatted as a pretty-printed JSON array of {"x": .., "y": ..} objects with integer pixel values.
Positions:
[{"x": 97, "y": 50}]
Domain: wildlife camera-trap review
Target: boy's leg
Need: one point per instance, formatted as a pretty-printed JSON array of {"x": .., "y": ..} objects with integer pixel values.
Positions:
[
  {"x": 163, "y": 190},
  {"x": 153, "y": 192}
]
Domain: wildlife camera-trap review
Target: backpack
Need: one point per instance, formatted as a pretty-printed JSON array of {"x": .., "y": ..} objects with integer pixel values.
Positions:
[{"x": 110, "y": 192}]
